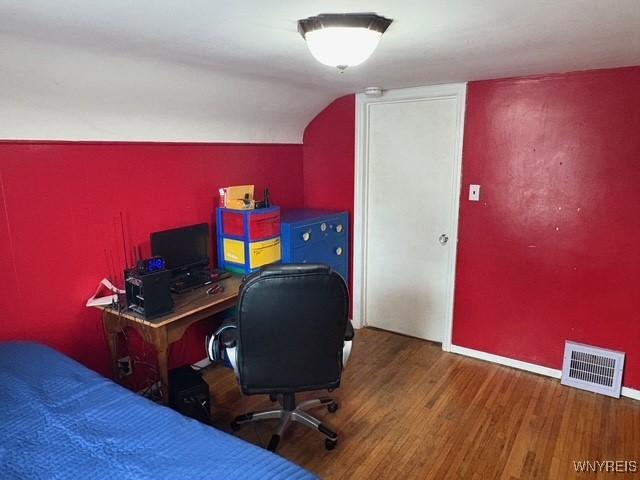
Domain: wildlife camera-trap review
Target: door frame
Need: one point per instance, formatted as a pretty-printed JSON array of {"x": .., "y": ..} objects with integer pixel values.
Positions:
[{"x": 363, "y": 104}]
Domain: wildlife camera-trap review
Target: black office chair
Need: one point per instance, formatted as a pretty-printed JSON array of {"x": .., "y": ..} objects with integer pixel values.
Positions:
[{"x": 292, "y": 334}]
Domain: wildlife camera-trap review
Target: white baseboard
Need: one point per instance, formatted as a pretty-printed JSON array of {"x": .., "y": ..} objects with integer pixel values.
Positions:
[
  {"x": 631, "y": 393},
  {"x": 529, "y": 367}
]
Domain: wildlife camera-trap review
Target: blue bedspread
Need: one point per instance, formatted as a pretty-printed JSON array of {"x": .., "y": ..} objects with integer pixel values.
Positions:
[{"x": 59, "y": 419}]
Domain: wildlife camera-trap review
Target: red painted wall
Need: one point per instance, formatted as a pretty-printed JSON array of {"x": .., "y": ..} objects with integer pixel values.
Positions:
[
  {"x": 60, "y": 210},
  {"x": 551, "y": 252},
  {"x": 329, "y": 161},
  {"x": 548, "y": 254}
]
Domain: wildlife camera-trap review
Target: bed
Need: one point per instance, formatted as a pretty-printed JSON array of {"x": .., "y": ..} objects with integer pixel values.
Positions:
[{"x": 59, "y": 419}]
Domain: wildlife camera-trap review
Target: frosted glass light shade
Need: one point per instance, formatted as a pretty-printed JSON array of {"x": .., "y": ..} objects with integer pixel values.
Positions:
[
  {"x": 343, "y": 39},
  {"x": 342, "y": 46}
]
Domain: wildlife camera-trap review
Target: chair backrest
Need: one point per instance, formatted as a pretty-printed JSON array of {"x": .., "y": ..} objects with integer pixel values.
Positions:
[{"x": 291, "y": 325}]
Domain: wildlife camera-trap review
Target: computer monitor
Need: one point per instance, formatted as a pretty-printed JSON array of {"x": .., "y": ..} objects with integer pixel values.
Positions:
[{"x": 183, "y": 248}]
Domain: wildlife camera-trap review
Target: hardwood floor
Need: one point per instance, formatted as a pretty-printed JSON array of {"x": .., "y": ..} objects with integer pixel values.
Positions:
[{"x": 409, "y": 410}]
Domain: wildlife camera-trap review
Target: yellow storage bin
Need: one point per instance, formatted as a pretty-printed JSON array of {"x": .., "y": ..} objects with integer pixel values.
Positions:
[
  {"x": 258, "y": 254},
  {"x": 233, "y": 250},
  {"x": 264, "y": 252}
]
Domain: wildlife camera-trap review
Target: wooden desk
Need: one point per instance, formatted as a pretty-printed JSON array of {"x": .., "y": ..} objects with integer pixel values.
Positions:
[{"x": 163, "y": 331}]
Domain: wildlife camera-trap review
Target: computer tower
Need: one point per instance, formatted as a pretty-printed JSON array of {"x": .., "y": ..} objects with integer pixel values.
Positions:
[
  {"x": 148, "y": 294},
  {"x": 189, "y": 393}
]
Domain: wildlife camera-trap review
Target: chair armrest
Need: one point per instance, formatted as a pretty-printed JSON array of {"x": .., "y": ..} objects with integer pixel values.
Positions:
[{"x": 349, "y": 332}]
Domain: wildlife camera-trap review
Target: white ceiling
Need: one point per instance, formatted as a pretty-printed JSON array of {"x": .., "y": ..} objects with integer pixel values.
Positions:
[{"x": 217, "y": 70}]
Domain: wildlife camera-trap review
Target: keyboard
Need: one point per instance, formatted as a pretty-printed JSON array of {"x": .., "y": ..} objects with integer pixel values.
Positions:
[{"x": 185, "y": 282}]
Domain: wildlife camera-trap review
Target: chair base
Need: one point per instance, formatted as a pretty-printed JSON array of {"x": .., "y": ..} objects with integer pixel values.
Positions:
[{"x": 293, "y": 413}]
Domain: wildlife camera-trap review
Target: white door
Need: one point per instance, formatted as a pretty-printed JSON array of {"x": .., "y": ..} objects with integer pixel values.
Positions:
[{"x": 412, "y": 182}]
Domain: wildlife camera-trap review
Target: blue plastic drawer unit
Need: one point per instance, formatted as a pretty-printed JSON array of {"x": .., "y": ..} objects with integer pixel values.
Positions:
[
  {"x": 316, "y": 236},
  {"x": 247, "y": 239}
]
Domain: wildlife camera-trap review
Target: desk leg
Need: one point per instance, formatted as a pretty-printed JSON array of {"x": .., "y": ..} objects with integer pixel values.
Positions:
[
  {"x": 161, "y": 343},
  {"x": 163, "y": 367},
  {"x": 113, "y": 338}
]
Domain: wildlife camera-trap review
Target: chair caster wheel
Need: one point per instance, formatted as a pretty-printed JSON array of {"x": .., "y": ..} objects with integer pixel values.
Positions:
[
  {"x": 330, "y": 444},
  {"x": 235, "y": 426},
  {"x": 273, "y": 397},
  {"x": 332, "y": 407}
]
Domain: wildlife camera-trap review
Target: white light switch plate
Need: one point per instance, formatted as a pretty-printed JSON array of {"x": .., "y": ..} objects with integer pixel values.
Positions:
[{"x": 474, "y": 193}]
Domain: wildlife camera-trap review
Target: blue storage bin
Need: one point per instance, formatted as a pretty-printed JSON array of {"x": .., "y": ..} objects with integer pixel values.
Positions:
[{"x": 247, "y": 239}]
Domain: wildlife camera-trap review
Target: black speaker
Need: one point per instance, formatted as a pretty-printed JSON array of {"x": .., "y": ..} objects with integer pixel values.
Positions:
[
  {"x": 189, "y": 393},
  {"x": 148, "y": 294}
]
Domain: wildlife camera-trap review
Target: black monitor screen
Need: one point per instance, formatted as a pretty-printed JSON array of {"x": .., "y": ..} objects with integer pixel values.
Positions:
[{"x": 182, "y": 248}]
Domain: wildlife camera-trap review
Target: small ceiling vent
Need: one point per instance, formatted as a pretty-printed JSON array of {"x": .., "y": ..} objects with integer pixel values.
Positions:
[{"x": 591, "y": 368}]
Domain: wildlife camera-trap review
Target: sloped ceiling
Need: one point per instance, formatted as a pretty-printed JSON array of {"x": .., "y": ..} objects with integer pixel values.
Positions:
[{"x": 237, "y": 71}]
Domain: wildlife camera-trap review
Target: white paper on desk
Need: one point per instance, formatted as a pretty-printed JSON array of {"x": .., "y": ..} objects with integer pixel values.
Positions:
[{"x": 95, "y": 301}]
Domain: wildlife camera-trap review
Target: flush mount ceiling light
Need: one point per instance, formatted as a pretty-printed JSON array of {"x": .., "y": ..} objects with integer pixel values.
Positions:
[{"x": 343, "y": 39}]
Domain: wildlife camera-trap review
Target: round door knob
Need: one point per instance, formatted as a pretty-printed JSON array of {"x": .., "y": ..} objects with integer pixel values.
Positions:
[
  {"x": 443, "y": 239},
  {"x": 306, "y": 236},
  {"x": 323, "y": 226},
  {"x": 339, "y": 251},
  {"x": 339, "y": 228}
]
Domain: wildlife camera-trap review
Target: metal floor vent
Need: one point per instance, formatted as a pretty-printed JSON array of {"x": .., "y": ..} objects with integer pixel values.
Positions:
[{"x": 591, "y": 368}]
